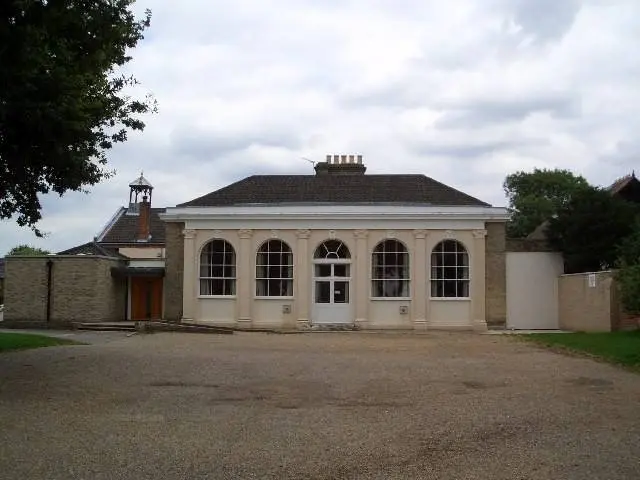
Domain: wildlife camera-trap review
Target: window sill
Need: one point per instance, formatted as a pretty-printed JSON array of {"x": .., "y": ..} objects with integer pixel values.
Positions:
[
  {"x": 386, "y": 299},
  {"x": 450, "y": 299},
  {"x": 273, "y": 297},
  {"x": 217, "y": 297}
]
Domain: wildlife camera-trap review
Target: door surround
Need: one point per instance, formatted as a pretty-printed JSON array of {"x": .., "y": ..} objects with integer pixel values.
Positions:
[{"x": 331, "y": 291}]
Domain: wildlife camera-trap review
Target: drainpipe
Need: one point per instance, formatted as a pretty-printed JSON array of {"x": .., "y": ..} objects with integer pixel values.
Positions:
[
  {"x": 49, "y": 270},
  {"x": 126, "y": 298}
]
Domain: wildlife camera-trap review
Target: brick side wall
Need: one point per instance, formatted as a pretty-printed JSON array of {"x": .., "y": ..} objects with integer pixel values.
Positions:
[
  {"x": 25, "y": 296},
  {"x": 585, "y": 308},
  {"x": 174, "y": 268},
  {"x": 496, "y": 275},
  {"x": 82, "y": 289}
]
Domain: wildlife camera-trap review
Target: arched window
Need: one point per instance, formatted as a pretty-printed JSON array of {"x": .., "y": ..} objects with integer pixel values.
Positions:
[
  {"x": 332, "y": 249},
  {"x": 449, "y": 270},
  {"x": 218, "y": 269},
  {"x": 390, "y": 270},
  {"x": 274, "y": 270}
]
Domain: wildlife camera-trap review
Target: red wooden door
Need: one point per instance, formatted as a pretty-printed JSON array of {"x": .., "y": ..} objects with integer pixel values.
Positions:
[{"x": 146, "y": 298}]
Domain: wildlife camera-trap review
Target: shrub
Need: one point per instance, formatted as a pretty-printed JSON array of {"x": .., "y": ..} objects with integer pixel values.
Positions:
[{"x": 628, "y": 279}]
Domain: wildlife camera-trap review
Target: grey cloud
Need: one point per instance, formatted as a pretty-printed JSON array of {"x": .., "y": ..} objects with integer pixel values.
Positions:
[
  {"x": 546, "y": 20},
  {"x": 202, "y": 144},
  {"x": 469, "y": 150},
  {"x": 484, "y": 112},
  {"x": 626, "y": 154}
]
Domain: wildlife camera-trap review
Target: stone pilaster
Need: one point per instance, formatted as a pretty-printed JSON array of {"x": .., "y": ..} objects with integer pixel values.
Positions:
[
  {"x": 302, "y": 275},
  {"x": 478, "y": 274},
  {"x": 361, "y": 277},
  {"x": 190, "y": 278},
  {"x": 244, "y": 293},
  {"x": 419, "y": 280}
]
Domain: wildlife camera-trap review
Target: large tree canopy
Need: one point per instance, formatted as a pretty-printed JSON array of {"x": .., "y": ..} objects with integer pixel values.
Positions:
[
  {"x": 62, "y": 105},
  {"x": 536, "y": 196},
  {"x": 590, "y": 228}
]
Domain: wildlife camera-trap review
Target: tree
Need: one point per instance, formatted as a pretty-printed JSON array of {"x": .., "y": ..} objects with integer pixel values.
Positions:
[
  {"x": 536, "y": 196},
  {"x": 628, "y": 274},
  {"x": 62, "y": 105},
  {"x": 589, "y": 229},
  {"x": 27, "y": 250}
]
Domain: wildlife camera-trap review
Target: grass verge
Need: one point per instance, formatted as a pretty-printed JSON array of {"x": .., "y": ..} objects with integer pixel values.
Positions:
[
  {"x": 621, "y": 348},
  {"x": 22, "y": 341}
]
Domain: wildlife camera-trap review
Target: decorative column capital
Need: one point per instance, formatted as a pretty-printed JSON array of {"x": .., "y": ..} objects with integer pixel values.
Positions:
[
  {"x": 479, "y": 233},
  {"x": 303, "y": 233},
  {"x": 361, "y": 234},
  {"x": 245, "y": 233},
  {"x": 420, "y": 233},
  {"x": 189, "y": 234}
]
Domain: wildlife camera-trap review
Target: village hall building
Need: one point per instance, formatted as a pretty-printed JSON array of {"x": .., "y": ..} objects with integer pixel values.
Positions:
[{"x": 340, "y": 248}]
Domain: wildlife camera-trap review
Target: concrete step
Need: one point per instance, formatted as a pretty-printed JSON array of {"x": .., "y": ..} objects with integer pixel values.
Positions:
[
  {"x": 150, "y": 327},
  {"x": 106, "y": 326},
  {"x": 334, "y": 327}
]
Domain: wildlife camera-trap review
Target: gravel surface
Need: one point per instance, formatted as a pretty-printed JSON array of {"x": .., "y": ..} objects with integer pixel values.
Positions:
[{"x": 322, "y": 406}]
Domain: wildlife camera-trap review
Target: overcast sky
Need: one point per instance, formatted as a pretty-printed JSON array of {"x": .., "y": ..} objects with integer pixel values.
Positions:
[{"x": 464, "y": 91}]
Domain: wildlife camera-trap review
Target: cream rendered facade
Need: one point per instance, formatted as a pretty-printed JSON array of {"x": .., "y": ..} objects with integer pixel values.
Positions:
[{"x": 360, "y": 227}]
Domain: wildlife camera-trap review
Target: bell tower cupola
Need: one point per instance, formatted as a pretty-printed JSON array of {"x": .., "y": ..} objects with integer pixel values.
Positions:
[{"x": 140, "y": 191}]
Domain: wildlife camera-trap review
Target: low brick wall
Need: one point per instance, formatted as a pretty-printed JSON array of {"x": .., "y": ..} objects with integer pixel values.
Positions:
[
  {"x": 587, "y": 306},
  {"x": 82, "y": 289}
]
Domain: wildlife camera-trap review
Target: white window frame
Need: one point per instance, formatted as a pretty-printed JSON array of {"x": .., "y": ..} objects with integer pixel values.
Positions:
[
  {"x": 403, "y": 282},
  {"x": 440, "y": 284},
  {"x": 266, "y": 278},
  {"x": 228, "y": 277}
]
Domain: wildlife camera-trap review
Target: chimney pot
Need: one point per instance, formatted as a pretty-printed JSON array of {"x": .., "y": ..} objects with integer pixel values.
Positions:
[
  {"x": 336, "y": 159},
  {"x": 352, "y": 159},
  {"x": 360, "y": 159},
  {"x": 328, "y": 158},
  {"x": 344, "y": 159}
]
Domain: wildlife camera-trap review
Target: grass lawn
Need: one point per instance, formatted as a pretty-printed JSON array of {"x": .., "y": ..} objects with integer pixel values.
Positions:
[
  {"x": 22, "y": 341},
  {"x": 622, "y": 348}
]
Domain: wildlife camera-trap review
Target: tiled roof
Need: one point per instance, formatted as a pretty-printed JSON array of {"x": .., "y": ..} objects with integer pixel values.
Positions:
[
  {"x": 123, "y": 229},
  {"x": 354, "y": 189},
  {"x": 90, "y": 248}
]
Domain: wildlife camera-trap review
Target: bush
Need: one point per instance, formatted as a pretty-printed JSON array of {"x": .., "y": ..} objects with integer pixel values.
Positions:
[{"x": 628, "y": 279}]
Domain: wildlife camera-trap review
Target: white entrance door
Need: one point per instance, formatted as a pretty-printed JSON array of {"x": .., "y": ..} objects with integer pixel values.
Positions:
[{"x": 332, "y": 284}]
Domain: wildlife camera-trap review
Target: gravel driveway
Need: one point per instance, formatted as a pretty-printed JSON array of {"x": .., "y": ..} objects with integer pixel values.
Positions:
[{"x": 325, "y": 406}]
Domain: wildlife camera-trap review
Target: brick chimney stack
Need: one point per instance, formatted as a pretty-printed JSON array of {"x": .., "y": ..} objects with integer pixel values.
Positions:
[
  {"x": 341, "y": 165},
  {"x": 144, "y": 220}
]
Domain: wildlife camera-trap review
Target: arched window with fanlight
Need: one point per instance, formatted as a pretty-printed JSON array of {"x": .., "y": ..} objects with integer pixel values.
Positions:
[
  {"x": 274, "y": 270},
  {"x": 218, "y": 269},
  {"x": 449, "y": 270},
  {"x": 390, "y": 270}
]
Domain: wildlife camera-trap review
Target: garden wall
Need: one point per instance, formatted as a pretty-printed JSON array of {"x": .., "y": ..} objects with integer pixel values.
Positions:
[
  {"x": 80, "y": 288},
  {"x": 590, "y": 302}
]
